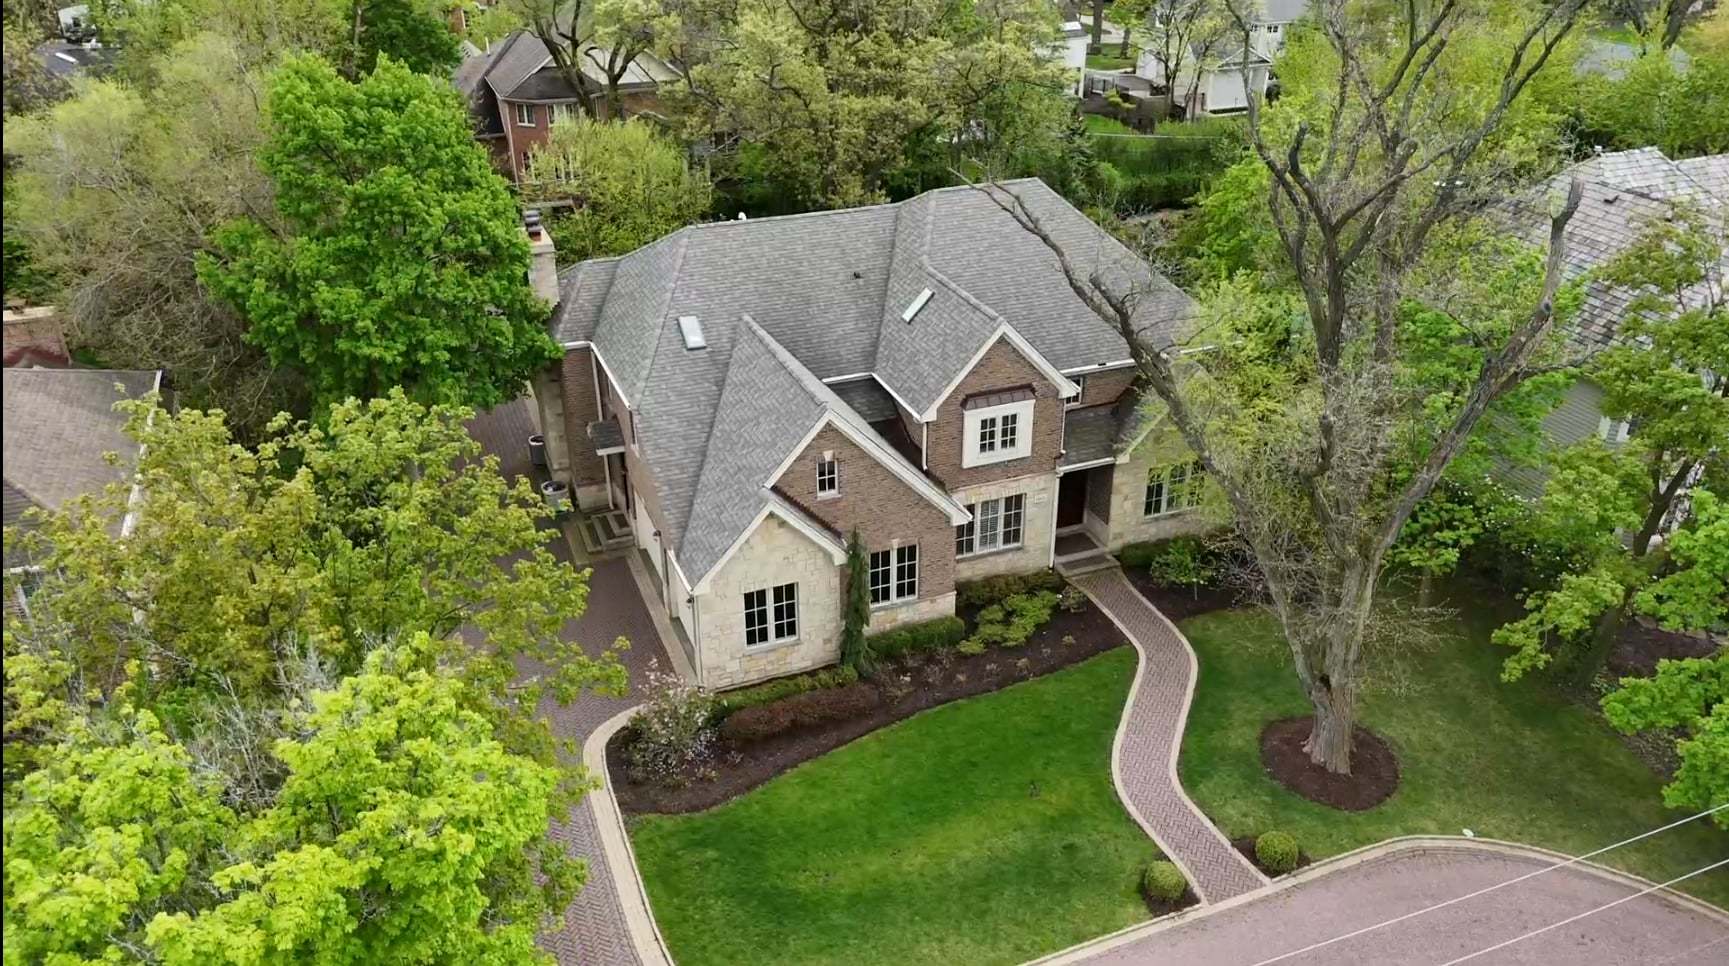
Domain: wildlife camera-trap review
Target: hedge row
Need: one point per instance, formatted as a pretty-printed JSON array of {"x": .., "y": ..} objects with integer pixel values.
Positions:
[
  {"x": 995, "y": 590},
  {"x": 925, "y": 636},
  {"x": 800, "y": 710},
  {"x": 733, "y": 701}
]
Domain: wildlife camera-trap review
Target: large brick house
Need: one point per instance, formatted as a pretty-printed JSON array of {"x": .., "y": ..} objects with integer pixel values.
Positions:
[
  {"x": 749, "y": 393},
  {"x": 516, "y": 94}
]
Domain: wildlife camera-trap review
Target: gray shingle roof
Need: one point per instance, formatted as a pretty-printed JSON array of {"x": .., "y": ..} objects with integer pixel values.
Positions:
[
  {"x": 786, "y": 302},
  {"x": 1090, "y": 434},
  {"x": 59, "y": 423},
  {"x": 1624, "y": 192}
]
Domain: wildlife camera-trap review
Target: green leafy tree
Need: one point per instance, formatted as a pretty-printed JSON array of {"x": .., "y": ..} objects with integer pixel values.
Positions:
[
  {"x": 414, "y": 32},
  {"x": 1693, "y": 696},
  {"x": 855, "y": 649},
  {"x": 1684, "y": 110},
  {"x": 629, "y": 185},
  {"x": 1666, "y": 381},
  {"x": 399, "y": 260}
]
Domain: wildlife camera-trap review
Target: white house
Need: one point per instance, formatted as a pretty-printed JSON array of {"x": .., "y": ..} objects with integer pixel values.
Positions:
[{"x": 1070, "y": 50}]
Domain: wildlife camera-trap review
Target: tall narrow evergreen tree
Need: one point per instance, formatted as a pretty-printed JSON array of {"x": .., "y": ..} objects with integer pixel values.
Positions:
[{"x": 855, "y": 649}]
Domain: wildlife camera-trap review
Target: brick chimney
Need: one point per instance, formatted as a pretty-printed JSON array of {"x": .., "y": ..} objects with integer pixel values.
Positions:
[
  {"x": 34, "y": 337},
  {"x": 542, "y": 257}
]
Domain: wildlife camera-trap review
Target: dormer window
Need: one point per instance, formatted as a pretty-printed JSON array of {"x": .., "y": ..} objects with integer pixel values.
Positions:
[
  {"x": 1070, "y": 402},
  {"x": 998, "y": 428},
  {"x": 827, "y": 476}
]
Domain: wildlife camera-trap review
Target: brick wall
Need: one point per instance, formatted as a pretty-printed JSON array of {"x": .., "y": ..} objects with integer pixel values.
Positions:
[
  {"x": 881, "y": 506},
  {"x": 1105, "y": 386},
  {"x": 580, "y": 409},
  {"x": 1001, "y": 367}
]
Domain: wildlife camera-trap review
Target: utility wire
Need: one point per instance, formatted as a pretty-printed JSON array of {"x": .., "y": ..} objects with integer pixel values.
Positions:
[
  {"x": 1484, "y": 891},
  {"x": 1608, "y": 905}
]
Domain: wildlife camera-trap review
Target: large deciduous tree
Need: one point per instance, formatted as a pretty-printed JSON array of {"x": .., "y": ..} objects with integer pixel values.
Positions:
[
  {"x": 114, "y": 192},
  {"x": 285, "y": 710},
  {"x": 394, "y": 256},
  {"x": 1692, "y": 697},
  {"x": 1397, "y": 133},
  {"x": 1180, "y": 34},
  {"x": 1666, "y": 381},
  {"x": 593, "y": 43},
  {"x": 628, "y": 185}
]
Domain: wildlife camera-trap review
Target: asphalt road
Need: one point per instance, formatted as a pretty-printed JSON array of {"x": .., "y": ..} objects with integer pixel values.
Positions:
[{"x": 1649, "y": 930}]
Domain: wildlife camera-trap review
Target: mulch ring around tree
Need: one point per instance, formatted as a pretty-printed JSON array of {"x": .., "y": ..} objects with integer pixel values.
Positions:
[
  {"x": 1246, "y": 846},
  {"x": 907, "y": 686},
  {"x": 1374, "y": 768}
]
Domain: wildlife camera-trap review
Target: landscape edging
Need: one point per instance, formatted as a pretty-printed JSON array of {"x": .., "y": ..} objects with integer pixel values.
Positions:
[{"x": 645, "y": 936}]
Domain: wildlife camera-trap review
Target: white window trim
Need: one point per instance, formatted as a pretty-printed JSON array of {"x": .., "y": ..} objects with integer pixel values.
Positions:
[
  {"x": 1022, "y": 410},
  {"x": 1071, "y": 402},
  {"x": 827, "y": 459},
  {"x": 1613, "y": 430},
  {"x": 1164, "y": 473},
  {"x": 893, "y": 600},
  {"x": 768, "y": 610},
  {"x": 521, "y": 109},
  {"x": 1002, "y": 546}
]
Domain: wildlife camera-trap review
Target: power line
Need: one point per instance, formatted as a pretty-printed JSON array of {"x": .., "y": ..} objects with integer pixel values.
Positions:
[
  {"x": 1484, "y": 891},
  {"x": 1608, "y": 905}
]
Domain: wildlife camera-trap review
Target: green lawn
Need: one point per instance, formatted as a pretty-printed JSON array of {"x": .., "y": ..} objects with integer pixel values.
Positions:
[
  {"x": 1100, "y": 124},
  {"x": 1109, "y": 62},
  {"x": 1508, "y": 761},
  {"x": 984, "y": 831}
]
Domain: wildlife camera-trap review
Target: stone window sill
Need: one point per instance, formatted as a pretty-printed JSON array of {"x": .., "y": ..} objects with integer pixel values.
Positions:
[
  {"x": 767, "y": 646},
  {"x": 994, "y": 551}
]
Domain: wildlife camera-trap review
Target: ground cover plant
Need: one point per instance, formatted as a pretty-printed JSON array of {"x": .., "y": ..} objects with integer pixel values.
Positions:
[
  {"x": 983, "y": 831},
  {"x": 1518, "y": 762}
]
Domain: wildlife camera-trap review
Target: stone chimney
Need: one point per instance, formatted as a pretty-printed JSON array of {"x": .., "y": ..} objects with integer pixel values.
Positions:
[{"x": 542, "y": 257}]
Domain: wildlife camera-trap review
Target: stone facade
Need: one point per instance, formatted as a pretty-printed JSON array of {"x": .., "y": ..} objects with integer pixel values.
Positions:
[
  {"x": 885, "y": 509},
  {"x": 1001, "y": 367},
  {"x": 775, "y": 553},
  {"x": 1037, "y": 527},
  {"x": 1163, "y": 446}
]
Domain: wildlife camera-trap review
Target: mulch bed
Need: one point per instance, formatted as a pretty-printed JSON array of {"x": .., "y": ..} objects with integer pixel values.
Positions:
[
  {"x": 1374, "y": 768},
  {"x": 909, "y": 685},
  {"x": 1642, "y": 644},
  {"x": 1180, "y": 602},
  {"x": 1246, "y": 846},
  {"x": 1159, "y": 907}
]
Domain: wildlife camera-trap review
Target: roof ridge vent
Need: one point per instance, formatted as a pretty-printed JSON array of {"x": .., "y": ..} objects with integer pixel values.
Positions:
[
  {"x": 917, "y": 305},
  {"x": 690, "y": 327}
]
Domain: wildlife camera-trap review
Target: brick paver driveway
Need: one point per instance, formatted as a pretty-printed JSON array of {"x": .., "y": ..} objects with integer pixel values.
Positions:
[
  {"x": 594, "y": 931},
  {"x": 1151, "y": 733},
  {"x": 1649, "y": 930}
]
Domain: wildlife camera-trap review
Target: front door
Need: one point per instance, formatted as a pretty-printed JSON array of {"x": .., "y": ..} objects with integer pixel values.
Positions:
[{"x": 1072, "y": 499}]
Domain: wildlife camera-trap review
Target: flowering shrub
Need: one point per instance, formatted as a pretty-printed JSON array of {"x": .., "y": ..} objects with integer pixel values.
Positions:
[{"x": 674, "y": 732}]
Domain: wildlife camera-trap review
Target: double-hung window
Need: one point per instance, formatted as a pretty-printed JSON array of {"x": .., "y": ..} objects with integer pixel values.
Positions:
[
  {"x": 894, "y": 574},
  {"x": 996, "y": 525},
  {"x": 1173, "y": 489},
  {"x": 525, "y": 115},
  {"x": 827, "y": 476},
  {"x": 763, "y": 624}
]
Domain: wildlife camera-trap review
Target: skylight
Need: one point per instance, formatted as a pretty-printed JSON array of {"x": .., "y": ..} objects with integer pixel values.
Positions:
[
  {"x": 917, "y": 304},
  {"x": 690, "y": 327}
]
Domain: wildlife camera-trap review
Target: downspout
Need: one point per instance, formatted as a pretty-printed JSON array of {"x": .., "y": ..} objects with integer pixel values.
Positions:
[{"x": 924, "y": 446}]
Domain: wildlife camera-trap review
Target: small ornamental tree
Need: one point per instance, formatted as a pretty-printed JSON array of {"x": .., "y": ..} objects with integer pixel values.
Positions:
[
  {"x": 1693, "y": 696},
  {"x": 400, "y": 260},
  {"x": 855, "y": 649},
  {"x": 629, "y": 185}
]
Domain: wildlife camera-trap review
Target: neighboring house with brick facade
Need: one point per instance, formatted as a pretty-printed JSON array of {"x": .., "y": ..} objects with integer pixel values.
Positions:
[
  {"x": 516, "y": 94},
  {"x": 750, "y": 393}
]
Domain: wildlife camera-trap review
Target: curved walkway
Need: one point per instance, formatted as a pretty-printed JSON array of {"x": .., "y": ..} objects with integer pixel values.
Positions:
[
  {"x": 1144, "y": 756},
  {"x": 1310, "y": 918}
]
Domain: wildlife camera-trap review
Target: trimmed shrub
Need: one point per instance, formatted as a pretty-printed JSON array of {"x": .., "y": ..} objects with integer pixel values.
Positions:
[
  {"x": 1071, "y": 600},
  {"x": 1013, "y": 621},
  {"x": 971, "y": 647},
  {"x": 993, "y": 590},
  {"x": 1164, "y": 881},
  {"x": 800, "y": 710},
  {"x": 1277, "y": 852},
  {"x": 929, "y": 635},
  {"x": 833, "y": 677}
]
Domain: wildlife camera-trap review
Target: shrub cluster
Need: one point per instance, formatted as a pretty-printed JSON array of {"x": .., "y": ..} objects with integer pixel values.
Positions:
[
  {"x": 673, "y": 734},
  {"x": 928, "y": 635},
  {"x": 1276, "y": 852},
  {"x": 1164, "y": 882},
  {"x": 992, "y": 590},
  {"x": 834, "y": 677},
  {"x": 800, "y": 710},
  {"x": 1170, "y": 169},
  {"x": 1012, "y": 622}
]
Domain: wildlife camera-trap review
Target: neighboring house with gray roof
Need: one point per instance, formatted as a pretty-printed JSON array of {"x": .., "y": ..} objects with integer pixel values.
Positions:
[
  {"x": 515, "y": 94},
  {"x": 60, "y": 426},
  {"x": 749, "y": 393},
  {"x": 1625, "y": 192}
]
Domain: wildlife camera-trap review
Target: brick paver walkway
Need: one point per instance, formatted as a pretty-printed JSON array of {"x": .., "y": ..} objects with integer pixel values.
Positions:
[
  {"x": 1151, "y": 733},
  {"x": 594, "y": 931}
]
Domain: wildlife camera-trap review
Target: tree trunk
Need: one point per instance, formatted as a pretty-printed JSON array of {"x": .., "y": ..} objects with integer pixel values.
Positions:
[
  {"x": 1329, "y": 744},
  {"x": 1123, "y": 49},
  {"x": 1098, "y": 26},
  {"x": 1585, "y": 664},
  {"x": 1425, "y": 589}
]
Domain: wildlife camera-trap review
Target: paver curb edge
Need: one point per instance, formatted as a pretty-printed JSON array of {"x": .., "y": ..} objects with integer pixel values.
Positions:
[{"x": 645, "y": 934}]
